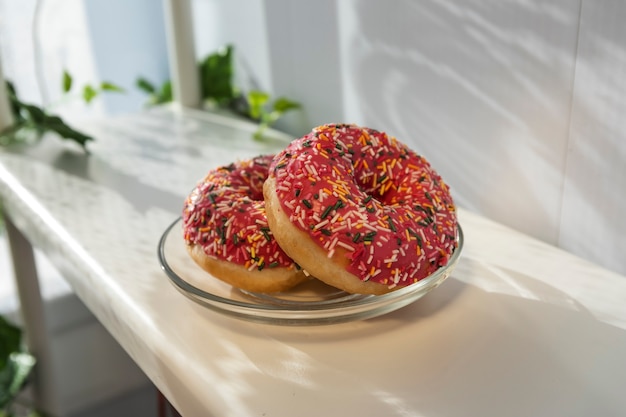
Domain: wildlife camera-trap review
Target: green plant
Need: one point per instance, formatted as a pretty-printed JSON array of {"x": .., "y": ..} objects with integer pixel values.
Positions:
[
  {"x": 155, "y": 95},
  {"x": 216, "y": 77},
  {"x": 218, "y": 89},
  {"x": 15, "y": 367},
  {"x": 266, "y": 113},
  {"x": 89, "y": 91},
  {"x": 31, "y": 122}
]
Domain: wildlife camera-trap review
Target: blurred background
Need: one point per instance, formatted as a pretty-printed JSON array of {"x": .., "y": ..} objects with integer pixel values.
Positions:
[{"x": 517, "y": 103}]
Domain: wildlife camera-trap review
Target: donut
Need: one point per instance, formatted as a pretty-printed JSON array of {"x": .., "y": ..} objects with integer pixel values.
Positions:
[
  {"x": 226, "y": 231},
  {"x": 359, "y": 210}
]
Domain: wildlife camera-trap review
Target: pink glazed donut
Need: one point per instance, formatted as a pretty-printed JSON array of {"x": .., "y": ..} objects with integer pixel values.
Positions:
[
  {"x": 226, "y": 230},
  {"x": 359, "y": 210}
]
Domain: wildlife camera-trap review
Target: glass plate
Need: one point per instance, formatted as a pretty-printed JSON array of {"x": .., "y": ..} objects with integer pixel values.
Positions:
[{"x": 310, "y": 303}]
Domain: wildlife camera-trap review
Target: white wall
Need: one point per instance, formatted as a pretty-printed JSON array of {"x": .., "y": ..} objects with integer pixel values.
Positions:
[{"x": 594, "y": 203}]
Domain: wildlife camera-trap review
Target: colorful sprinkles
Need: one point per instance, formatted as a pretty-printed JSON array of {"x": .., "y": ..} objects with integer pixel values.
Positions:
[
  {"x": 225, "y": 215},
  {"x": 362, "y": 192}
]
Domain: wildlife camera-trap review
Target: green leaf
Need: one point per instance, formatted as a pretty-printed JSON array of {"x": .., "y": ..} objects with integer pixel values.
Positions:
[
  {"x": 89, "y": 93},
  {"x": 57, "y": 125},
  {"x": 32, "y": 113},
  {"x": 283, "y": 105},
  {"x": 15, "y": 103},
  {"x": 145, "y": 85},
  {"x": 10, "y": 134},
  {"x": 256, "y": 101},
  {"x": 107, "y": 86},
  {"x": 15, "y": 366},
  {"x": 14, "y": 375},
  {"x": 30, "y": 124},
  {"x": 67, "y": 81},
  {"x": 165, "y": 94},
  {"x": 260, "y": 131},
  {"x": 216, "y": 73},
  {"x": 10, "y": 337}
]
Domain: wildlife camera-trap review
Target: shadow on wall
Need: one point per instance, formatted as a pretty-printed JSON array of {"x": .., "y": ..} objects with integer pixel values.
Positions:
[
  {"x": 482, "y": 91},
  {"x": 593, "y": 203}
]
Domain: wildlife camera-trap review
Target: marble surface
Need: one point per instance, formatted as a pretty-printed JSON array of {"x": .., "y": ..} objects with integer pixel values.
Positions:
[{"x": 520, "y": 328}]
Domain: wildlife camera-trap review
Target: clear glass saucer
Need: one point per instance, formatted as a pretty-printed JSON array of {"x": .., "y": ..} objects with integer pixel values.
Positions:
[{"x": 310, "y": 303}]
